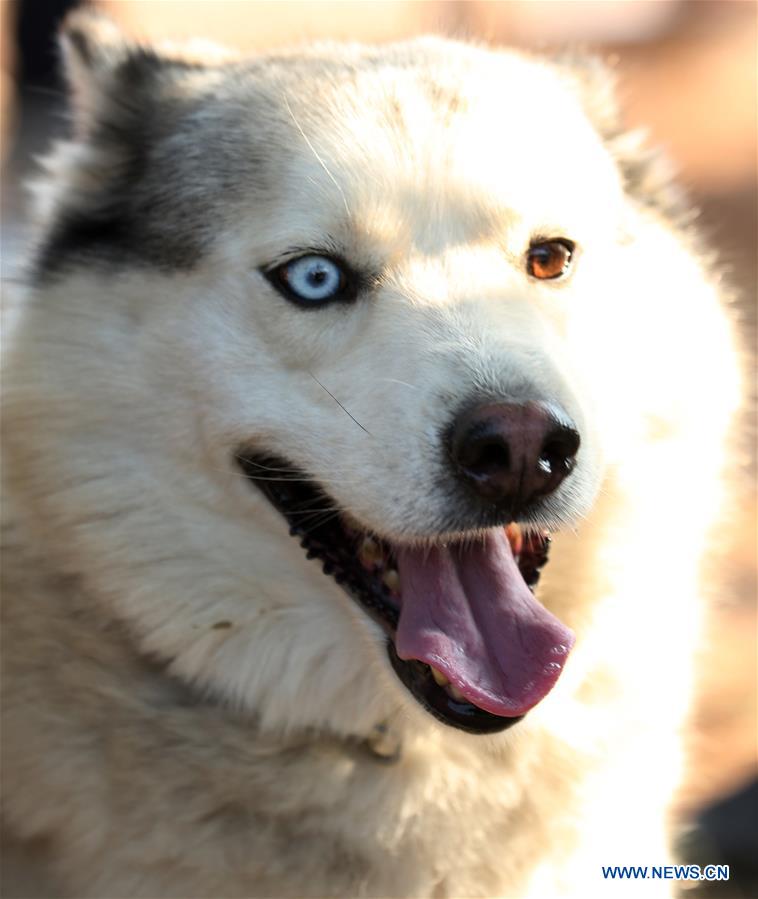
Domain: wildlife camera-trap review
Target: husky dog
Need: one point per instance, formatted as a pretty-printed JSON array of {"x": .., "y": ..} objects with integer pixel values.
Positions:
[{"x": 319, "y": 350}]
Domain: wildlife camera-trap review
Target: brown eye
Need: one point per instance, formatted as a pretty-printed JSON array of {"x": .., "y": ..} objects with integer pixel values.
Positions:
[{"x": 549, "y": 259}]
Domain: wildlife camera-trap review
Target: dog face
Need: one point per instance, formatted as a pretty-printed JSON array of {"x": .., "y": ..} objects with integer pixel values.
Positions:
[
  {"x": 434, "y": 225},
  {"x": 336, "y": 293}
]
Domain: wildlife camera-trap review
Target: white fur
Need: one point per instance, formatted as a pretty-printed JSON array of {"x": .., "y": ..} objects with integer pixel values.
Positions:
[{"x": 128, "y": 393}]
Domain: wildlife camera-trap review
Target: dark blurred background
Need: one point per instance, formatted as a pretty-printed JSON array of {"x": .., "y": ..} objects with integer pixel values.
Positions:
[{"x": 687, "y": 71}]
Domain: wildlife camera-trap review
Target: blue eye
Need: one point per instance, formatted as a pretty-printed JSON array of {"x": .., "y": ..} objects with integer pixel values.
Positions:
[{"x": 311, "y": 280}]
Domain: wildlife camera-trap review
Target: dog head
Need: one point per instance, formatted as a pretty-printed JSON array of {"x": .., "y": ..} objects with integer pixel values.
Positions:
[{"x": 341, "y": 295}]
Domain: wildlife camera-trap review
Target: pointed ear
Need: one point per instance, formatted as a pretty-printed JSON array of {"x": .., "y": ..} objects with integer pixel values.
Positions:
[
  {"x": 647, "y": 174},
  {"x": 93, "y": 50},
  {"x": 595, "y": 82},
  {"x": 103, "y": 66}
]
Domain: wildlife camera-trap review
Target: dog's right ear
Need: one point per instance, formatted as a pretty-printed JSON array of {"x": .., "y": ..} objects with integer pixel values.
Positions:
[
  {"x": 95, "y": 55},
  {"x": 115, "y": 81}
]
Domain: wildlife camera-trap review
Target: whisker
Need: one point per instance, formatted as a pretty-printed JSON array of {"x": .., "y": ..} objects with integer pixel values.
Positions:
[
  {"x": 339, "y": 403},
  {"x": 320, "y": 522},
  {"x": 397, "y": 381},
  {"x": 289, "y": 475},
  {"x": 249, "y": 461},
  {"x": 312, "y": 513},
  {"x": 313, "y": 150},
  {"x": 286, "y": 480}
]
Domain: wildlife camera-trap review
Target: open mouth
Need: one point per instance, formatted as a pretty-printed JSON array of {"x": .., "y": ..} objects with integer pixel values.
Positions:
[{"x": 465, "y": 634}]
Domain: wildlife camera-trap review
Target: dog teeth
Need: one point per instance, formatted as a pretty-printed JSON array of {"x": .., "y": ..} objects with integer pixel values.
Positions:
[
  {"x": 370, "y": 552},
  {"x": 515, "y": 538},
  {"x": 455, "y": 693},
  {"x": 439, "y": 677},
  {"x": 452, "y": 691},
  {"x": 391, "y": 580}
]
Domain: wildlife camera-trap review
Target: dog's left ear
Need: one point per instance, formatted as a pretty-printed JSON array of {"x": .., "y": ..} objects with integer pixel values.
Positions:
[
  {"x": 647, "y": 174},
  {"x": 595, "y": 82}
]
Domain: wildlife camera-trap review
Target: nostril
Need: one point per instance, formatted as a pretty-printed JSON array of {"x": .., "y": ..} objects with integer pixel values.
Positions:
[
  {"x": 490, "y": 456},
  {"x": 558, "y": 452}
]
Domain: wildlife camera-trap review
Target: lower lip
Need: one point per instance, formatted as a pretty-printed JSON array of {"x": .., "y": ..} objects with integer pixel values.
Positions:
[{"x": 416, "y": 677}]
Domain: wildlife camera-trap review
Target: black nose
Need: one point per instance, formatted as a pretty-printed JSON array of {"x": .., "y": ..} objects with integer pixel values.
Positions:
[{"x": 511, "y": 454}]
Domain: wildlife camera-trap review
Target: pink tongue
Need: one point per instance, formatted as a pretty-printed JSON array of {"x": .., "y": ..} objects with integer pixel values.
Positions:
[{"x": 468, "y": 612}]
